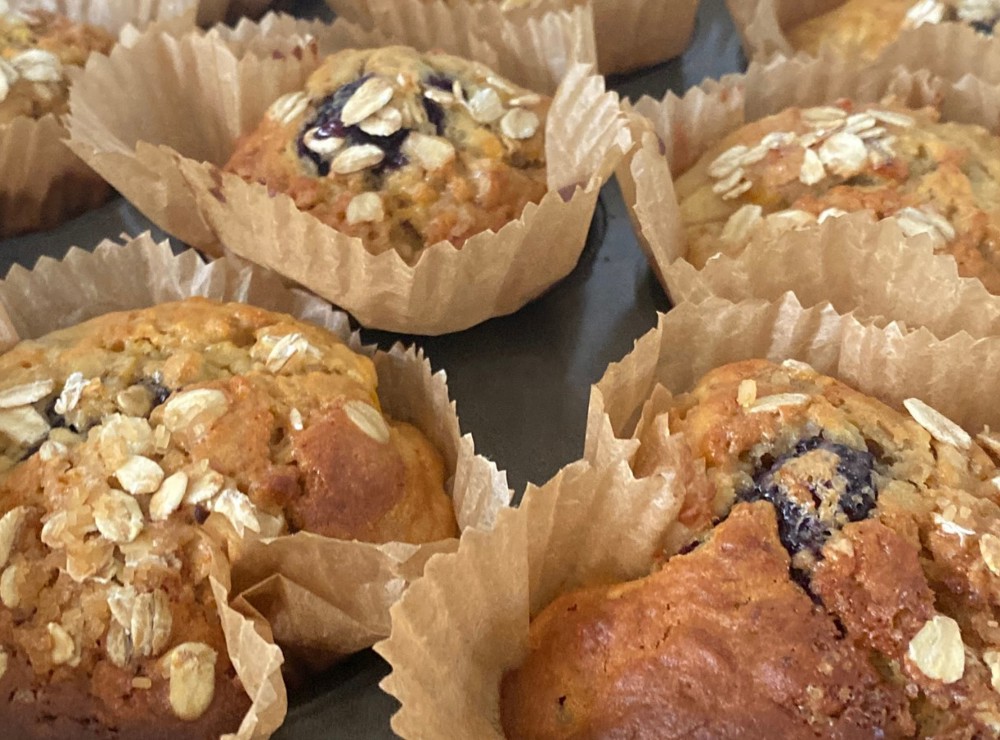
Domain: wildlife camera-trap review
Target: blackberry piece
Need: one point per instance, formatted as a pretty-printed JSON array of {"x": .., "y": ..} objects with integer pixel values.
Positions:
[
  {"x": 815, "y": 489},
  {"x": 159, "y": 391},
  {"x": 327, "y": 123}
]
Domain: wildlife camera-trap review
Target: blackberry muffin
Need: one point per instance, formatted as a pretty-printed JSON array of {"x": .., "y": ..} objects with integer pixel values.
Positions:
[
  {"x": 135, "y": 447},
  {"x": 866, "y": 27},
  {"x": 402, "y": 149},
  {"x": 35, "y": 48},
  {"x": 835, "y": 573},
  {"x": 804, "y": 165}
]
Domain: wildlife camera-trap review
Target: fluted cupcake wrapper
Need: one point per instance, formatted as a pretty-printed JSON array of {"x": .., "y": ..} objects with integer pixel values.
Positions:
[
  {"x": 673, "y": 134},
  {"x": 42, "y": 183},
  {"x": 322, "y": 598},
  {"x": 619, "y": 35},
  {"x": 158, "y": 120},
  {"x": 465, "y": 623}
]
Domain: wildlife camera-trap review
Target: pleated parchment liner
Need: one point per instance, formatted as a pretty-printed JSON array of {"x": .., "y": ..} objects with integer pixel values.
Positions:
[
  {"x": 859, "y": 265},
  {"x": 675, "y": 132},
  {"x": 533, "y": 46},
  {"x": 323, "y": 598},
  {"x": 157, "y": 119},
  {"x": 42, "y": 183},
  {"x": 465, "y": 623},
  {"x": 621, "y": 35}
]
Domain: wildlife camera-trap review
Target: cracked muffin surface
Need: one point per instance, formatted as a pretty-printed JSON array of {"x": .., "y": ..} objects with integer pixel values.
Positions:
[
  {"x": 402, "y": 149},
  {"x": 834, "y": 572},
  {"x": 135, "y": 447}
]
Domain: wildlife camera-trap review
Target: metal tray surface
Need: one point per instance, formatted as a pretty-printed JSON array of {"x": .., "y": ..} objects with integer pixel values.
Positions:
[{"x": 521, "y": 382}]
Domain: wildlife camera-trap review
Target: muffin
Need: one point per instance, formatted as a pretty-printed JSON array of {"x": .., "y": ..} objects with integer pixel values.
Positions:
[
  {"x": 402, "y": 149},
  {"x": 135, "y": 448},
  {"x": 804, "y": 165},
  {"x": 866, "y": 27},
  {"x": 833, "y": 574},
  {"x": 35, "y": 48}
]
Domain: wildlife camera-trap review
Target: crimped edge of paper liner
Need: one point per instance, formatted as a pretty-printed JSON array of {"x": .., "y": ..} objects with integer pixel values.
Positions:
[
  {"x": 43, "y": 183},
  {"x": 619, "y": 35},
  {"x": 856, "y": 264},
  {"x": 466, "y": 621},
  {"x": 457, "y": 631},
  {"x": 761, "y": 23},
  {"x": 447, "y": 289},
  {"x": 890, "y": 363},
  {"x": 674, "y": 132},
  {"x": 533, "y": 46},
  {"x": 211, "y": 12},
  {"x": 83, "y": 284}
]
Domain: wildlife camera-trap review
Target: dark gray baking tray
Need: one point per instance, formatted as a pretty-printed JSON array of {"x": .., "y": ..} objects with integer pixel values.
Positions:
[{"x": 521, "y": 382}]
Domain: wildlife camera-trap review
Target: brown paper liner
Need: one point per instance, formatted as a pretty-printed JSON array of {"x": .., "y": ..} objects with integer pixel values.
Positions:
[
  {"x": 446, "y": 290},
  {"x": 457, "y": 630},
  {"x": 158, "y": 137},
  {"x": 869, "y": 268},
  {"x": 42, "y": 182},
  {"x": 675, "y": 132},
  {"x": 621, "y": 35},
  {"x": 342, "y": 605}
]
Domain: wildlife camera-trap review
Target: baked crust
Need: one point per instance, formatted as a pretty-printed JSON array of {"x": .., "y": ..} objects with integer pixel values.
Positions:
[
  {"x": 425, "y": 165},
  {"x": 134, "y": 447},
  {"x": 801, "y": 166},
  {"x": 835, "y": 577}
]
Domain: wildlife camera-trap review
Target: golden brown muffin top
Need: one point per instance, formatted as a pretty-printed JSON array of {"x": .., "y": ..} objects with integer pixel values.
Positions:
[
  {"x": 835, "y": 573},
  {"x": 402, "y": 149},
  {"x": 804, "y": 165},
  {"x": 35, "y": 48},
  {"x": 137, "y": 445}
]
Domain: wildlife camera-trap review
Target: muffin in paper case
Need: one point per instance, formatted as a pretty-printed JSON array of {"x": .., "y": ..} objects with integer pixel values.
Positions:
[
  {"x": 321, "y": 597},
  {"x": 765, "y": 26},
  {"x": 161, "y": 137},
  {"x": 44, "y": 183},
  {"x": 460, "y": 628},
  {"x": 673, "y": 134},
  {"x": 619, "y": 36}
]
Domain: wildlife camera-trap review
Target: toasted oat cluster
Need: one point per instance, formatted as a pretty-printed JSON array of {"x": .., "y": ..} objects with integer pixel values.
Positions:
[
  {"x": 35, "y": 48},
  {"x": 835, "y": 573},
  {"x": 866, "y": 27},
  {"x": 402, "y": 149},
  {"x": 136, "y": 448},
  {"x": 804, "y": 165}
]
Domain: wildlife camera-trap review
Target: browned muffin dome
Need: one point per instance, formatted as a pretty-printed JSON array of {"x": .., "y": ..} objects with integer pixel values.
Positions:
[
  {"x": 134, "y": 448},
  {"x": 837, "y": 574},
  {"x": 402, "y": 149}
]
